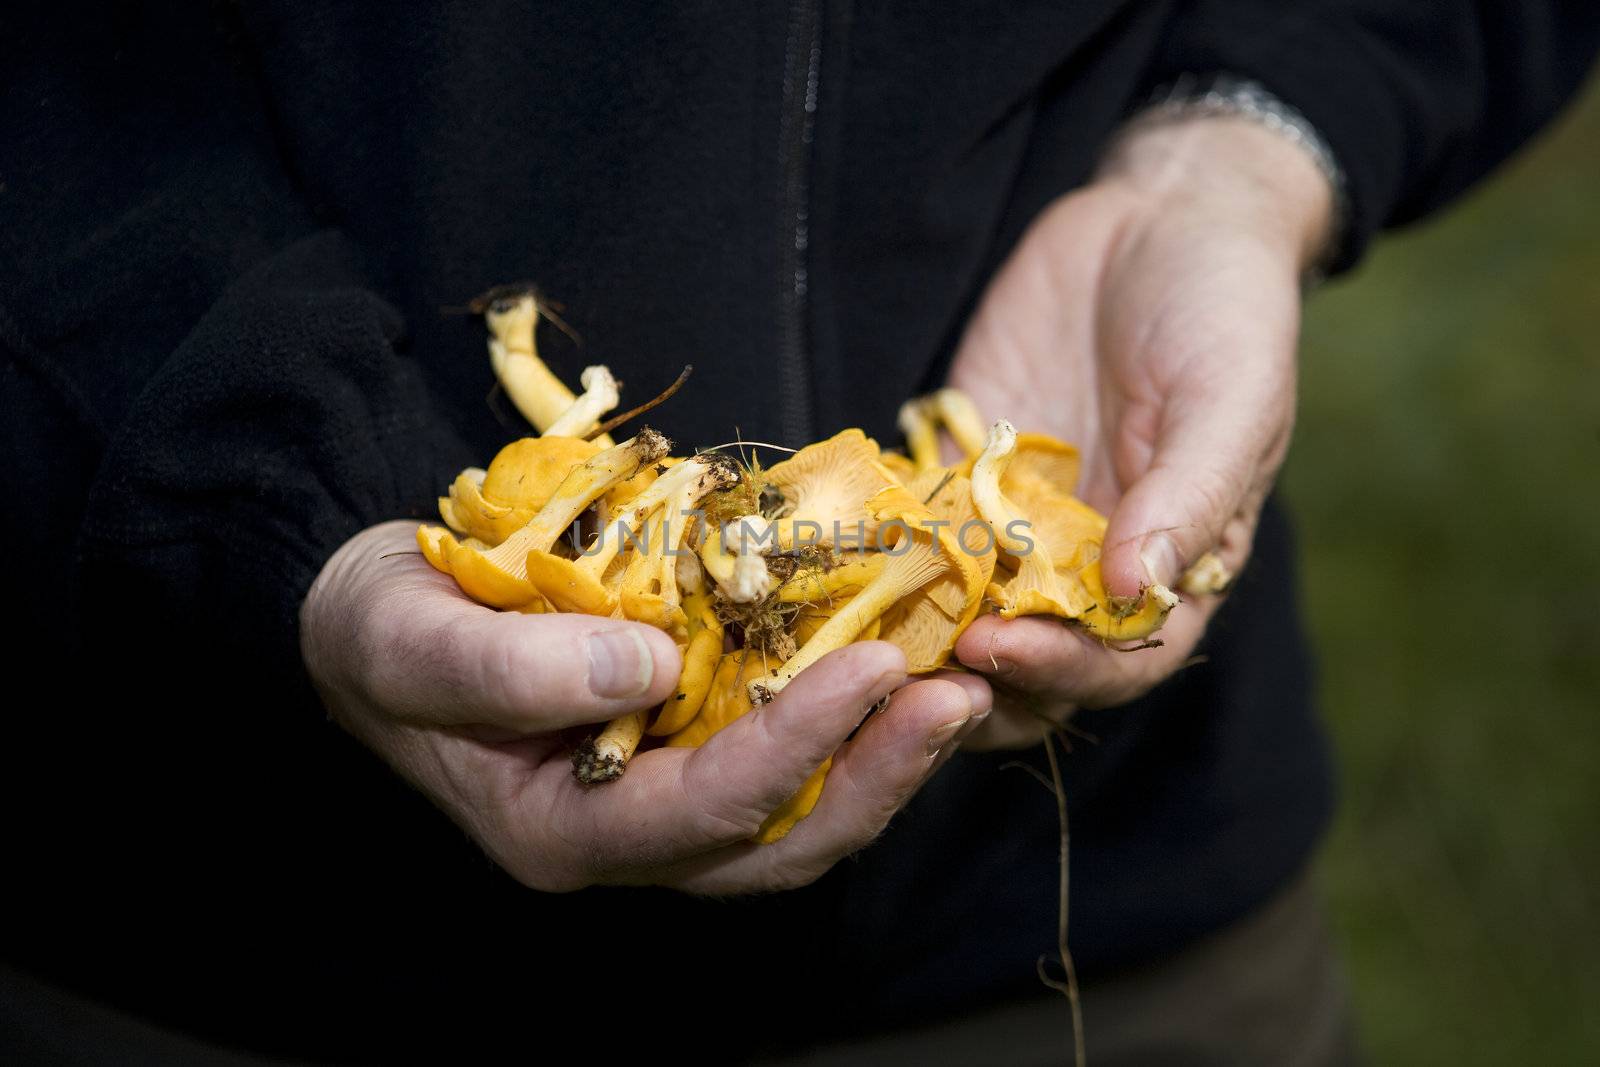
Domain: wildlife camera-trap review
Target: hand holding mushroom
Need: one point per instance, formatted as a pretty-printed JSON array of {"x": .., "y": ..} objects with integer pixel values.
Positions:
[
  {"x": 1151, "y": 319},
  {"x": 470, "y": 705},
  {"x": 760, "y": 577}
]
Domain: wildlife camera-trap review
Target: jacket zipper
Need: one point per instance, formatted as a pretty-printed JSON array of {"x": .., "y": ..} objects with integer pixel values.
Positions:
[{"x": 801, "y": 69}]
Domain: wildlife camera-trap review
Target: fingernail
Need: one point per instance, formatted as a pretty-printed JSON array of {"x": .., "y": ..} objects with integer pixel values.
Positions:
[
  {"x": 941, "y": 737},
  {"x": 620, "y": 664},
  {"x": 1160, "y": 558}
]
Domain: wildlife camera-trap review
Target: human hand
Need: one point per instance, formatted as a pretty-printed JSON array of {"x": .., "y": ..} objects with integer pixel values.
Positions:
[
  {"x": 467, "y": 704},
  {"x": 1151, "y": 319}
]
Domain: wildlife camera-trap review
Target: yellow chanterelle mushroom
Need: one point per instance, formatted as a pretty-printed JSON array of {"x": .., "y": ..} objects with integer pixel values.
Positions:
[
  {"x": 492, "y": 505},
  {"x": 1055, "y": 540},
  {"x": 512, "y": 314},
  {"x": 825, "y": 487},
  {"x": 926, "y": 625},
  {"x": 498, "y": 576}
]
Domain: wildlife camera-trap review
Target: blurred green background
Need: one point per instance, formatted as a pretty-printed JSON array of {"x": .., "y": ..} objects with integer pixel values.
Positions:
[{"x": 1446, "y": 478}]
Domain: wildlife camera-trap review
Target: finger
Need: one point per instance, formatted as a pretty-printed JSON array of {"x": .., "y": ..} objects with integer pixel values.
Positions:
[
  {"x": 871, "y": 779},
  {"x": 1013, "y": 725},
  {"x": 979, "y": 692},
  {"x": 1018, "y": 721},
  {"x": 1042, "y": 656},
  {"x": 1213, "y": 459},
  {"x": 436, "y": 657},
  {"x": 675, "y": 803}
]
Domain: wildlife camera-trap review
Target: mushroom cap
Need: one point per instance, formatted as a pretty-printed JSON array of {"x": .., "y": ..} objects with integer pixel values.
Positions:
[
  {"x": 828, "y": 483},
  {"x": 586, "y": 483},
  {"x": 948, "y": 497},
  {"x": 467, "y": 511},
  {"x": 526, "y": 472},
  {"x": 1038, "y": 459},
  {"x": 902, "y": 513},
  {"x": 898, "y": 465},
  {"x": 1070, "y": 530},
  {"x": 1041, "y": 591},
  {"x": 477, "y": 575}
]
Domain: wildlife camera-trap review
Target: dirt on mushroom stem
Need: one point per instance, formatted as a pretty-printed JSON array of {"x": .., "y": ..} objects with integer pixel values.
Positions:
[{"x": 765, "y": 626}]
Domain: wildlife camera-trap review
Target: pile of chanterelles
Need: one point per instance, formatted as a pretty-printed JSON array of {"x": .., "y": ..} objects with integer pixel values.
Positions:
[{"x": 759, "y": 572}]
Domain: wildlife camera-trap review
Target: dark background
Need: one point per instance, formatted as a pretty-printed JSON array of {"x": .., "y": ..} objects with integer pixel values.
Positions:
[{"x": 1446, "y": 478}]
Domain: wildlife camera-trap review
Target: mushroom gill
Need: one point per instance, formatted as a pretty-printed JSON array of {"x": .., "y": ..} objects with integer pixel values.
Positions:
[
  {"x": 927, "y": 624},
  {"x": 826, "y": 487}
]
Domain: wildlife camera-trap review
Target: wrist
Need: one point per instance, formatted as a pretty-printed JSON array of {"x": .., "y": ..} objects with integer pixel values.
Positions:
[{"x": 1236, "y": 171}]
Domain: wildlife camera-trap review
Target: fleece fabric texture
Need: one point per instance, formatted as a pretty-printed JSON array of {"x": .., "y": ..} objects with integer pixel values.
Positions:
[{"x": 234, "y": 242}]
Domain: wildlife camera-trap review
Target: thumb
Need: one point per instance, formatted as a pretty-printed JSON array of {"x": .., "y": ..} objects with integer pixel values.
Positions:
[{"x": 1212, "y": 463}]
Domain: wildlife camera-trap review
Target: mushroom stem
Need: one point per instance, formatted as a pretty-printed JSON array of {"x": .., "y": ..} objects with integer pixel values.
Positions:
[
  {"x": 809, "y": 587},
  {"x": 1208, "y": 575},
  {"x": 922, "y": 437},
  {"x": 902, "y": 575},
  {"x": 605, "y": 757},
  {"x": 581, "y": 488},
  {"x": 701, "y": 475},
  {"x": 993, "y": 459},
  {"x": 600, "y": 395},
  {"x": 700, "y": 656},
  {"x": 960, "y": 416},
  {"x": 1124, "y": 619},
  {"x": 1037, "y": 589},
  {"x": 513, "y": 318},
  {"x": 741, "y": 571}
]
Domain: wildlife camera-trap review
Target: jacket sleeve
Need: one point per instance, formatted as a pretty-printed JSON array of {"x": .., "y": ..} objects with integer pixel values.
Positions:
[
  {"x": 1417, "y": 100},
  {"x": 205, "y": 393}
]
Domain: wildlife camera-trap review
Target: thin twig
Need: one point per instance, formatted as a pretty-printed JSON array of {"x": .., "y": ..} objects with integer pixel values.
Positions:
[
  {"x": 1038, "y": 775},
  {"x": 1070, "y": 986},
  {"x": 617, "y": 420},
  {"x": 752, "y": 444}
]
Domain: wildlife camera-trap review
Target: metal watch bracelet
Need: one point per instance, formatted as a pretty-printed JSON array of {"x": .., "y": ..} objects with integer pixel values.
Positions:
[{"x": 1225, "y": 95}]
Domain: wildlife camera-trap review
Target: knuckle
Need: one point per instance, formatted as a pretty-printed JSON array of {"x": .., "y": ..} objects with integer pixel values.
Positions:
[
  {"x": 505, "y": 672},
  {"x": 389, "y": 653},
  {"x": 555, "y": 859},
  {"x": 874, "y": 798},
  {"x": 783, "y": 877},
  {"x": 715, "y": 816}
]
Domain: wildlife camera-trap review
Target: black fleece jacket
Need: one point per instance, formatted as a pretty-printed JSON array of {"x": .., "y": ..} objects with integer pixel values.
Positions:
[{"x": 229, "y": 235}]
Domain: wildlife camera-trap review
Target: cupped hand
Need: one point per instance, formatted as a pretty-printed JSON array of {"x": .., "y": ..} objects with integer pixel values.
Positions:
[
  {"x": 467, "y": 704},
  {"x": 1151, "y": 319}
]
